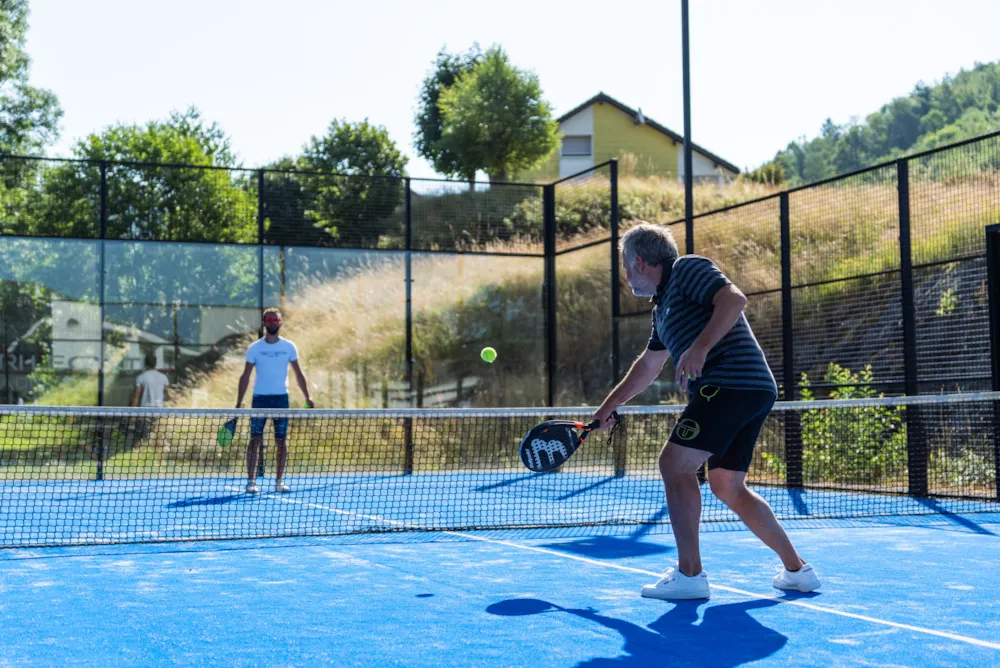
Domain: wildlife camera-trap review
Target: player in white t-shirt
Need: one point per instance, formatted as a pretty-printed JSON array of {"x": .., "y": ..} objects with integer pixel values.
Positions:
[
  {"x": 150, "y": 386},
  {"x": 150, "y": 391},
  {"x": 271, "y": 357}
]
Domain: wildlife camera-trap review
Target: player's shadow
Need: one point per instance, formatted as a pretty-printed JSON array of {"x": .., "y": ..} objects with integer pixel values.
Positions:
[
  {"x": 209, "y": 501},
  {"x": 609, "y": 547},
  {"x": 727, "y": 636},
  {"x": 616, "y": 547}
]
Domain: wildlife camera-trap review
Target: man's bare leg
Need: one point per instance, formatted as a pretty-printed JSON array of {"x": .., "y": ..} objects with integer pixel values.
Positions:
[
  {"x": 679, "y": 470},
  {"x": 730, "y": 488}
]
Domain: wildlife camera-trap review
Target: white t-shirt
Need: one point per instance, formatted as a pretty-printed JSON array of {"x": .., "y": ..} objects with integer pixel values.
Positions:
[
  {"x": 153, "y": 383},
  {"x": 271, "y": 362}
]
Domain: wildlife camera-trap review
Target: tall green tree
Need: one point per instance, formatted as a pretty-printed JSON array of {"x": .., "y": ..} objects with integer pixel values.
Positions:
[
  {"x": 496, "y": 120},
  {"x": 430, "y": 124},
  {"x": 29, "y": 116},
  {"x": 356, "y": 205},
  {"x": 152, "y": 200}
]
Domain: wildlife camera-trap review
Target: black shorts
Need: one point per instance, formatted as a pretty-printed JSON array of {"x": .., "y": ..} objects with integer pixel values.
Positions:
[{"x": 725, "y": 423}]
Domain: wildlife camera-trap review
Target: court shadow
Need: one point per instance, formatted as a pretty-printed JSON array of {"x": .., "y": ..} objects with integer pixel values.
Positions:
[
  {"x": 609, "y": 547},
  {"x": 798, "y": 498},
  {"x": 613, "y": 547},
  {"x": 727, "y": 635},
  {"x": 960, "y": 520},
  {"x": 207, "y": 501}
]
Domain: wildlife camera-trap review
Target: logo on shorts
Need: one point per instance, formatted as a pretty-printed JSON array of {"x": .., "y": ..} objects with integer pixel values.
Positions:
[{"x": 687, "y": 429}]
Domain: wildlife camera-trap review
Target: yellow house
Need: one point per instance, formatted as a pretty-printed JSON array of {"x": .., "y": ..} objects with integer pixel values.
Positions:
[{"x": 603, "y": 128}]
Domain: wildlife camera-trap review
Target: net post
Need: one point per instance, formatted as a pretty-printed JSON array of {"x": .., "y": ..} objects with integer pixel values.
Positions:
[
  {"x": 619, "y": 451},
  {"x": 549, "y": 230},
  {"x": 407, "y": 446},
  {"x": 916, "y": 446},
  {"x": 99, "y": 432},
  {"x": 793, "y": 426},
  {"x": 615, "y": 286}
]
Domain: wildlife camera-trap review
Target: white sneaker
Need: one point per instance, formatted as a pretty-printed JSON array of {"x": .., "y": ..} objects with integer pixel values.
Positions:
[
  {"x": 674, "y": 585},
  {"x": 252, "y": 487},
  {"x": 280, "y": 487},
  {"x": 804, "y": 579}
]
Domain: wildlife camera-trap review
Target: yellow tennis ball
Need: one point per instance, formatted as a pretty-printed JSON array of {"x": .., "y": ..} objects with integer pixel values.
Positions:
[{"x": 488, "y": 354}]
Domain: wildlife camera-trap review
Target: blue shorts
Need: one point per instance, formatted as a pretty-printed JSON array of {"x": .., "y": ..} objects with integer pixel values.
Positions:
[{"x": 269, "y": 401}]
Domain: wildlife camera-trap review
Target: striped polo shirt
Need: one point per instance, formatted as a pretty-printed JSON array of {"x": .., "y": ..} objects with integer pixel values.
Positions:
[{"x": 683, "y": 309}]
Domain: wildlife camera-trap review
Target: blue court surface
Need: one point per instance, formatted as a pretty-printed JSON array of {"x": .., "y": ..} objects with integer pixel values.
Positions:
[{"x": 908, "y": 590}]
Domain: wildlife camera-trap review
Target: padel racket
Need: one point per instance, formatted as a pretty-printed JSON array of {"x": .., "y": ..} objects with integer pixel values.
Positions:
[
  {"x": 225, "y": 435},
  {"x": 548, "y": 445}
]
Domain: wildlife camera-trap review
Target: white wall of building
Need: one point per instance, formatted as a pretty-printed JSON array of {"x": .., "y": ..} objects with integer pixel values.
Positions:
[
  {"x": 579, "y": 124},
  {"x": 703, "y": 167}
]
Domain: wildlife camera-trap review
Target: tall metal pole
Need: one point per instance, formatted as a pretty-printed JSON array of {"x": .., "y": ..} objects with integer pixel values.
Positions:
[
  {"x": 408, "y": 220},
  {"x": 551, "y": 350},
  {"x": 688, "y": 157},
  {"x": 103, "y": 231},
  {"x": 615, "y": 287}
]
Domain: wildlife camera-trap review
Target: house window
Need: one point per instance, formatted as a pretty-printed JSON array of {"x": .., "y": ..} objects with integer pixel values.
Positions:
[{"x": 576, "y": 145}]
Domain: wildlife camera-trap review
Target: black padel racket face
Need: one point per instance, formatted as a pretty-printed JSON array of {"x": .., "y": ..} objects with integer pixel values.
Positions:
[{"x": 548, "y": 445}]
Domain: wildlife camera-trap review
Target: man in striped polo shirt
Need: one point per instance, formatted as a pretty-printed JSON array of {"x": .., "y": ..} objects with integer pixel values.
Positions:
[{"x": 698, "y": 321}]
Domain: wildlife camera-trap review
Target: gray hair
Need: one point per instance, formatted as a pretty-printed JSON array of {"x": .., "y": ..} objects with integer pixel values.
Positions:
[{"x": 653, "y": 243}]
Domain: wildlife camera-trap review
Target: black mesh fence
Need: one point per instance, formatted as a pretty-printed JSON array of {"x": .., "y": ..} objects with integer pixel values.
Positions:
[{"x": 400, "y": 282}]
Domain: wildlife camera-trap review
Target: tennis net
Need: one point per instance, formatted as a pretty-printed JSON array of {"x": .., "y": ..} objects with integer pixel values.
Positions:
[{"x": 88, "y": 475}]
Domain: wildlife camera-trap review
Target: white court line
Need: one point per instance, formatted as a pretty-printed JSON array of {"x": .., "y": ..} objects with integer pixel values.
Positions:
[{"x": 606, "y": 564}]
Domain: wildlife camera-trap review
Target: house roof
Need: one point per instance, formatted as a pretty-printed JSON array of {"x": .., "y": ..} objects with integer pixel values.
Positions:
[{"x": 602, "y": 97}]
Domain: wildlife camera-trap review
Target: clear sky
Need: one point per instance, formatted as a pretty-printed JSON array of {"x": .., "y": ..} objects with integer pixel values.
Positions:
[{"x": 272, "y": 74}]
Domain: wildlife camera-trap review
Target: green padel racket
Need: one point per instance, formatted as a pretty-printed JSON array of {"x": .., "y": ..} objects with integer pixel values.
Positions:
[{"x": 225, "y": 435}]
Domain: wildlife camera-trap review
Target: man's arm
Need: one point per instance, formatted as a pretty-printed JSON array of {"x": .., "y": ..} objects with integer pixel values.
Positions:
[
  {"x": 727, "y": 305},
  {"x": 300, "y": 378},
  {"x": 134, "y": 401},
  {"x": 244, "y": 383},
  {"x": 643, "y": 372}
]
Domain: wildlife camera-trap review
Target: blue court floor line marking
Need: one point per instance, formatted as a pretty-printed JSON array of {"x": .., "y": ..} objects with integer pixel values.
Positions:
[{"x": 596, "y": 562}]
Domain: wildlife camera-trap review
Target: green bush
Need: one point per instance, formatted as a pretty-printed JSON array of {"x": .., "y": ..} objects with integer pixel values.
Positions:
[{"x": 852, "y": 445}]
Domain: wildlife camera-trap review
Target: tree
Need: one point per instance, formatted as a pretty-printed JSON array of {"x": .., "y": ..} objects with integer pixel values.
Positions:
[
  {"x": 29, "y": 116},
  {"x": 430, "y": 124},
  {"x": 355, "y": 206},
  {"x": 959, "y": 107},
  {"x": 152, "y": 201},
  {"x": 283, "y": 202},
  {"x": 495, "y": 118}
]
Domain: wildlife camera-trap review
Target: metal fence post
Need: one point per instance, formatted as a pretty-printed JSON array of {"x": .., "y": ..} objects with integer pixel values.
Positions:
[
  {"x": 549, "y": 232},
  {"x": 260, "y": 282},
  {"x": 993, "y": 281},
  {"x": 103, "y": 225},
  {"x": 101, "y": 432},
  {"x": 688, "y": 149},
  {"x": 615, "y": 287},
  {"x": 793, "y": 426},
  {"x": 260, "y": 244},
  {"x": 916, "y": 445},
  {"x": 408, "y": 221},
  {"x": 408, "y": 422}
]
